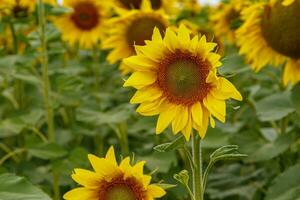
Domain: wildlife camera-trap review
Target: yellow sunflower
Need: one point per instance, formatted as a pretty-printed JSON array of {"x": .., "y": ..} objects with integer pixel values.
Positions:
[
  {"x": 111, "y": 181},
  {"x": 176, "y": 78},
  {"x": 226, "y": 18},
  {"x": 166, "y": 5},
  {"x": 132, "y": 27},
  {"x": 270, "y": 35},
  {"x": 85, "y": 25},
  {"x": 21, "y": 8}
]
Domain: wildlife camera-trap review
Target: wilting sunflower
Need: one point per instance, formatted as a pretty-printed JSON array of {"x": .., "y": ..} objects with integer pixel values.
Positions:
[
  {"x": 84, "y": 26},
  {"x": 132, "y": 27},
  {"x": 226, "y": 18},
  {"x": 176, "y": 78},
  {"x": 270, "y": 35},
  {"x": 111, "y": 181}
]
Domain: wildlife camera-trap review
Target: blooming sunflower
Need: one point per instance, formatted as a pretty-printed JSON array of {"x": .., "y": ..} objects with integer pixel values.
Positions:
[
  {"x": 226, "y": 18},
  {"x": 21, "y": 8},
  {"x": 270, "y": 35},
  {"x": 111, "y": 181},
  {"x": 84, "y": 26},
  {"x": 132, "y": 27},
  {"x": 167, "y": 5},
  {"x": 176, "y": 78}
]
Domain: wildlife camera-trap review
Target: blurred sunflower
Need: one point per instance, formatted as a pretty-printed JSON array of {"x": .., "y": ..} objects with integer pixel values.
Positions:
[
  {"x": 176, "y": 78},
  {"x": 21, "y": 8},
  {"x": 132, "y": 27},
  {"x": 167, "y": 5},
  {"x": 270, "y": 35},
  {"x": 226, "y": 18},
  {"x": 111, "y": 181},
  {"x": 84, "y": 26}
]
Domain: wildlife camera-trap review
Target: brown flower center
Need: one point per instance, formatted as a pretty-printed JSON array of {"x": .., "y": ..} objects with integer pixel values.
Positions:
[
  {"x": 20, "y": 12},
  {"x": 85, "y": 16},
  {"x": 141, "y": 29},
  {"x": 120, "y": 189},
  {"x": 136, "y": 4},
  {"x": 233, "y": 19},
  {"x": 182, "y": 77},
  {"x": 281, "y": 28}
]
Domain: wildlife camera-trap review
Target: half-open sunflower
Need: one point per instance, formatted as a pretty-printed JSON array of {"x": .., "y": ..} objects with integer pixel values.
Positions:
[
  {"x": 132, "y": 27},
  {"x": 84, "y": 26},
  {"x": 270, "y": 35},
  {"x": 111, "y": 181},
  {"x": 176, "y": 78},
  {"x": 226, "y": 18}
]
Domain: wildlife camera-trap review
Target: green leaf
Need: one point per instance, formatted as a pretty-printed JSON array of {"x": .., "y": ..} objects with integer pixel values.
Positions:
[
  {"x": 296, "y": 98},
  {"x": 274, "y": 107},
  {"x": 228, "y": 152},
  {"x": 166, "y": 186},
  {"x": 286, "y": 186},
  {"x": 47, "y": 151},
  {"x": 176, "y": 144},
  {"x": 272, "y": 149},
  {"x": 11, "y": 127},
  {"x": 18, "y": 188}
]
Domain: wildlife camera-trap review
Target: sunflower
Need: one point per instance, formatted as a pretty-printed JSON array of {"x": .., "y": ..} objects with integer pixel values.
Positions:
[
  {"x": 226, "y": 18},
  {"x": 132, "y": 27},
  {"x": 270, "y": 35},
  {"x": 176, "y": 78},
  {"x": 111, "y": 181},
  {"x": 84, "y": 26},
  {"x": 166, "y": 5},
  {"x": 21, "y": 8}
]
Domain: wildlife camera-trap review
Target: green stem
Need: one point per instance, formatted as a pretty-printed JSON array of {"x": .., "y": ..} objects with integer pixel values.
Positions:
[
  {"x": 56, "y": 189},
  {"x": 205, "y": 176},
  {"x": 14, "y": 35},
  {"x": 45, "y": 67},
  {"x": 11, "y": 154},
  {"x": 122, "y": 127},
  {"x": 197, "y": 170}
]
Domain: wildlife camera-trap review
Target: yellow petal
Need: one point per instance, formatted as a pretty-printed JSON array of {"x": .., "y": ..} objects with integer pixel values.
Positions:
[
  {"x": 146, "y": 94},
  {"x": 180, "y": 119},
  {"x": 165, "y": 117},
  {"x": 82, "y": 194},
  {"x": 216, "y": 107},
  {"x": 110, "y": 156},
  {"x": 140, "y": 63},
  {"x": 171, "y": 40},
  {"x": 156, "y": 35},
  {"x": 103, "y": 167},
  {"x": 139, "y": 80},
  {"x": 228, "y": 90},
  {"x": 86, "y": 178},
  {"x": 197, "y": 113},
  {"x": 155, "y": 191}
]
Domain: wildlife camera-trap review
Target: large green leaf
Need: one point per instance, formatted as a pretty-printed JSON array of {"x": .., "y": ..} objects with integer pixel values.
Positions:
[
  {"x": 296, "y": 98},
  {"x": 272, "y": 149},
  {"x": 47, "y": 151},
  {"x": 274, "y": 107},
  {"x": 286, "y": 186},
  {"x": 18, "y": 188}
]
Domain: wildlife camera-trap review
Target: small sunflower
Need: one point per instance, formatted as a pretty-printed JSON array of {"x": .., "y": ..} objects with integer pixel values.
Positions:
[
  {"x": 111, "y": 181},
  {"x": 166, "y": 5},
  {"x": 176, "y": 78},
  {"x": 226, "y": 18},
  {"x": 270, "y": 35},
  {"x": 84, "y": 26},
  {"x": 21, "y": 8},
  {"x": 132, "y": 27}
]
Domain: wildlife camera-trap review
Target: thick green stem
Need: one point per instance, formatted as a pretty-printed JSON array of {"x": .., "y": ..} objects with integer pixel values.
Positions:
[
  {"x": 45, "y": 69},
  {"x": 197, "y": 170},
  {"x": 122, "y": 127}
]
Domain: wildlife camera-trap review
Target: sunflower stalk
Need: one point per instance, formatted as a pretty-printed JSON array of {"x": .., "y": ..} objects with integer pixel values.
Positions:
[
  {"x": 197, "y": 169},
  {"x": 45, "y": 71}
]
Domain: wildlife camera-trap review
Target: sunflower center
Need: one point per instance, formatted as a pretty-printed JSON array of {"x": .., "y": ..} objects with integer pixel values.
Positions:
[
  {"x": 182, "y": 77},
  {"x": 20, "y": 12},
  {"x": 233, "y": 19},
  {"x": 141, "y": 29},
  {"x": 85, "y": 16},
  {"x": 281, "y": 28},
  {"x": 120, "y": 192},
  {"x": 156, "y": 4},
  {"x": 120, "y": 189}
]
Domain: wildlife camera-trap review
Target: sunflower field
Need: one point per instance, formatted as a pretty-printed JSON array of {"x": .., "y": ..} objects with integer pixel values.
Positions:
[{"x": 149, "y": 99}]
